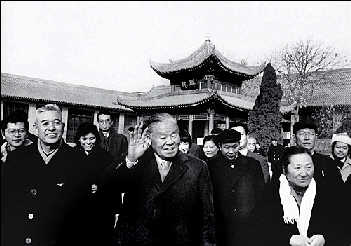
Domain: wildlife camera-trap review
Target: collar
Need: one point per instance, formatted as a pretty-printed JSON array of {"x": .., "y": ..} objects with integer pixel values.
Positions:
[
  {"x": 47, "y": 156},
  {"x": 244, "y": 151},
  {"x": 161, "y": 162}
]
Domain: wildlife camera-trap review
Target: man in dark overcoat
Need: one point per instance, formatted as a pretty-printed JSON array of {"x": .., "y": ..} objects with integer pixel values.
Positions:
[
  {"x": 325, "y": 168},
  {"x": 168, "y": 194},
  {"x": 236, "y": 191},
  {"x": 41, "y": 188},
  {"x": 114, "y": 143}
]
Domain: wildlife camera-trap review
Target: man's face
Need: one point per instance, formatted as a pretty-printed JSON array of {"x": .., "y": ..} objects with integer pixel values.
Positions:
[
  {"x": 243, "y": 139},
  {"x": 165, "y": 139},
  {"x": 50, "y": 127},
  {"x": 306, "y": 138},
  {"x": 300, "y": 170},
  {"x": 230, "y": 150},
  {"x": 251, "y": 144},
  {"x": 15, "y": 134},
  {"x": 340, "y": 150},
  {"x": 105, "y": 122}
]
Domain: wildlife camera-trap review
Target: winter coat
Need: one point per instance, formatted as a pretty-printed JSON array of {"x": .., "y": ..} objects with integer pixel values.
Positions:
[
  {"x": 178, "y": 211},
  {"x": 238, "y": 188},
  {"x": 40, "y": 202},
  {"x": 326, "y": 219}
]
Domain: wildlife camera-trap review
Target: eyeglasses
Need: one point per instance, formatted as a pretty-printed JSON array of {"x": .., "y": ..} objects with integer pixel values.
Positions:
[
  {"x": 18, "y": 131},
  {"x": 307, "y": 133}
]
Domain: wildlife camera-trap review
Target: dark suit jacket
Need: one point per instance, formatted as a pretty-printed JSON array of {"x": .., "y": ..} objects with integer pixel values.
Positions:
[
  {"x": 263, "y": 164},
  {"x": 116, "y": 144},
  {"x": 40, "y": 202},
  {"x": 326, "y": 171},
  {"x": 237, "y": 190},
  {"x": 178, "y": 211},
  {"x": 325, "y": 219}
]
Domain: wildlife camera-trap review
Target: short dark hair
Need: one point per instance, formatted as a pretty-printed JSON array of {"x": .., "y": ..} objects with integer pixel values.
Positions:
[
  {"x": 216, "y": 130},
  {"x": 229, "y": 136},
  {"x": 212, "y": 138},
  {"x": 84, "y": 129},
  {"x": 16, "y": 116},
  {"x": 185, "y": 136},
  {"x": 288, "y": 152},
  {"x": 307, "y": 124},
  {"x": 105, "y": 112},
  {"x": 220, "y": 122}
]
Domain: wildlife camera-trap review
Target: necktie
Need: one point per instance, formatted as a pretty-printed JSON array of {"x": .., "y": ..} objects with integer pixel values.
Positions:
[{"x": 163, "y": 168}]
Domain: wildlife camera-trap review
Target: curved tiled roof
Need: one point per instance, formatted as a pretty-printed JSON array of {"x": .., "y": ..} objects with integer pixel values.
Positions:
[
  {"x": 334, "y": 88},
  {"x": 199, "y": 56},
  {"x": 39, "y": 90},
  {"x": 193, "y": 99}
]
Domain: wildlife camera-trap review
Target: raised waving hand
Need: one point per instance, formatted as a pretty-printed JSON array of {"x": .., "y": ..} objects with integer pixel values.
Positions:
[{"x": 139, "y": 142}]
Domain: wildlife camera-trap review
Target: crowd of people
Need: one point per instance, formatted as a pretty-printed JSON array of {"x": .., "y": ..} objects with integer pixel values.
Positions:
[{"x": 156, "y": 187}]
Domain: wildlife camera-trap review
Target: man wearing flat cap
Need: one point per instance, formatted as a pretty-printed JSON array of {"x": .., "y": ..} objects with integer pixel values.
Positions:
[
  {"x": 325, "y": 170},
  {"x": 236, "y": 191}
]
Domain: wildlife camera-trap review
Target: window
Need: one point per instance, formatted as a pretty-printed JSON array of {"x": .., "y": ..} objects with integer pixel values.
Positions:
[
  {"x": 75, "y": 118},
  {"x": 10, "y": 107},
  {"x": 203, "y": 84}
]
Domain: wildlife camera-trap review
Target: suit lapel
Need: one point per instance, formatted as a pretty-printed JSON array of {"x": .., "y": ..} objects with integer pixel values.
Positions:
[{"x": 177, "y": 170}]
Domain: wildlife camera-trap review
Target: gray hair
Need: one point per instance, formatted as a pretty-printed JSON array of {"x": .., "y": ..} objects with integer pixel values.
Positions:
[
  {"x": 49, "y": 107},
  {"x": 157, "y": 118}
]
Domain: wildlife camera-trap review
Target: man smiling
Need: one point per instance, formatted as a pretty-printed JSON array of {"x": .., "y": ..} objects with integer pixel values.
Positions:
[
  {"x": 168, "y": 198},
  {"x": 15, "y": 130},
  {"x": 41, "y": 187}
]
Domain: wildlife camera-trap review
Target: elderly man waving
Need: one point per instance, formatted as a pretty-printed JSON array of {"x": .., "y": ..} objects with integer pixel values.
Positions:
[{"x": 168, "y": 198}]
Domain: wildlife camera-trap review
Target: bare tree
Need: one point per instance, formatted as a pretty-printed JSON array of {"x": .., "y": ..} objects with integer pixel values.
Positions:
[{"x": 296, "y": 65}]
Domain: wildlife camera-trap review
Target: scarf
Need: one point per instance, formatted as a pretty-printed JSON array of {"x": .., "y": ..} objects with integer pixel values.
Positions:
[{"x": 290, "y": 208}]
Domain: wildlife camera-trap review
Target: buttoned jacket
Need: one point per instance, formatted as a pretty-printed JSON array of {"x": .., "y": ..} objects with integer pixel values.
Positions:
[
  {"x": 237, "y": 191},
  {"x": 178, "y": 211},
  {"x": 40, "y": 201}
]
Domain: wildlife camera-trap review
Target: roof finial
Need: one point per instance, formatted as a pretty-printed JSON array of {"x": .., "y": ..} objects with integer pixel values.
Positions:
[{"x": 208, "y": 38}]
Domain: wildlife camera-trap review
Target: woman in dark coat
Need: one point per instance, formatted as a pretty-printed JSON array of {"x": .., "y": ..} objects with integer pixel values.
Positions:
[
  {"x": 102, "y": 199},
  {"x": 296, "y": 210},
  {"x": 210, "y": 148}
]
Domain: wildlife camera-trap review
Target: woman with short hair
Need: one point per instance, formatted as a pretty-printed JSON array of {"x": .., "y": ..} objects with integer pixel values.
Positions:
[
  {"x": 210, "y": 147},
  {"x": 100, "y": 205}
]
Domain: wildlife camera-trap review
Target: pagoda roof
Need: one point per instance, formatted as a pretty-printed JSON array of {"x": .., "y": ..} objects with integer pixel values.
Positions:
[
  {"x": 172, "y": 101},
  {"x": 199, "y": 57}
]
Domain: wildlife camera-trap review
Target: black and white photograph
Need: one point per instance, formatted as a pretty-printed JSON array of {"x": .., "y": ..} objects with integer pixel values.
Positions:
[{"x": 175, "y": 123}]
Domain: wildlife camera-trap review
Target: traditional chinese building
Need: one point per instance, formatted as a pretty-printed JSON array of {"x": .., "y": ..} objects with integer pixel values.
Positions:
[
  {"x": 205, "y": 88},
  {"x": 78, "y": 103}
]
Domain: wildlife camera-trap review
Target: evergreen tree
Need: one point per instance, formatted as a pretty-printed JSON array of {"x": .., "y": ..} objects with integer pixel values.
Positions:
[{"x": 265, "y": 119}]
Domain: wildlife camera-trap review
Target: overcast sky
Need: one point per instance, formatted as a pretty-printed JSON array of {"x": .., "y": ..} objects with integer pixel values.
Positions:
[{"x": 110, "y": 44}]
